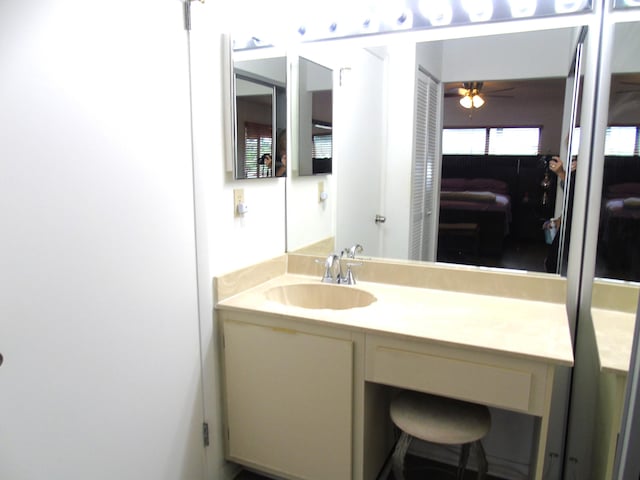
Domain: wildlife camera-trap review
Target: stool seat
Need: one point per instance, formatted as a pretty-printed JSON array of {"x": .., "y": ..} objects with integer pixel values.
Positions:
[{"x": 440, "y": 420}]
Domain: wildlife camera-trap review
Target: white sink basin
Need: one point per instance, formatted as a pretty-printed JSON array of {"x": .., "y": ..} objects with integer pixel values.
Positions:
[{"x": 320, "y": 295}]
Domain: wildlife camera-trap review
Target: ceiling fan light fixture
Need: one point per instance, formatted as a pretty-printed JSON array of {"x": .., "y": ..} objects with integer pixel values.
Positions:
[
  {"x": 477, "y": 101},
  {"x": 466, "y": 101}
]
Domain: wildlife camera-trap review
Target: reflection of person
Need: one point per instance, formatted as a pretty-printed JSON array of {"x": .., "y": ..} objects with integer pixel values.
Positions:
[
  {"x": 556, "y": 166},
  {"x": 265, "y": 163},
  {"x": 281, "y": 154},
  {"x": 266, "y": 160}
]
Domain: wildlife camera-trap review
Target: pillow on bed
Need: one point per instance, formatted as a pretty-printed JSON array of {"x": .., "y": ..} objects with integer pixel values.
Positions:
[
  {"x": 484, "y": 197},
  {"x": 621, "y": 190},
  {"x": 631, "y": 202},
  {"x": 487, "y": 185}
]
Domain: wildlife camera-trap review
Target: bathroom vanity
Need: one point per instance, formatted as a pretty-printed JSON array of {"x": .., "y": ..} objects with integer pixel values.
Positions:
[{"x": 306, "y": 389}]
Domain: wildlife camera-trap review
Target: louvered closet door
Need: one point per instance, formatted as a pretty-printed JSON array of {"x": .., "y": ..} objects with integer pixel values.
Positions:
[{"x": 424, "y": 213}]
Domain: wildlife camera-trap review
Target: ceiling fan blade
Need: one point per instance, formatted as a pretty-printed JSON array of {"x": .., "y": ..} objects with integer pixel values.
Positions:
[
  {"x": 508, "y": 89},
  {"x": 457, "y": 91},
  {"x": 495, "y": 96}
]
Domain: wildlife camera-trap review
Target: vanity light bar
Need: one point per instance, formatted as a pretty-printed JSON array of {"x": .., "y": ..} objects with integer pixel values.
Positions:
[{"x": 339, "y": 19}]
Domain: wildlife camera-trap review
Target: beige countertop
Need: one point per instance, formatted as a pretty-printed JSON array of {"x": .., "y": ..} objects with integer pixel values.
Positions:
[
  {"x": 519, "y": 327},
  {"x": 614, "y": 338}
]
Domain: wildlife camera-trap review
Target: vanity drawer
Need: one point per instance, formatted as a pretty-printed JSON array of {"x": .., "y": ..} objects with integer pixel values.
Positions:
[{"x": 458, "y": 373}]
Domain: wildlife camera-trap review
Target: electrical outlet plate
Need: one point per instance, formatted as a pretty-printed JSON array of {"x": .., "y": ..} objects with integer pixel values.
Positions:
[{"x": 238, "y": 198}]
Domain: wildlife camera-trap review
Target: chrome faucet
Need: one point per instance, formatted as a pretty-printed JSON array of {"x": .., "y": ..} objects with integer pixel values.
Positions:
[
  {"x": 349, "y": 278},
  {"x": 351, "y": 252},
  {"x": 333, "y": 266},
  {"x": 330, "y": 275}
]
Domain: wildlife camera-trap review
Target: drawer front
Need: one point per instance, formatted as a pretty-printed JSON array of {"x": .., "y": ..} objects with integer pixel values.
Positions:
[{"x": 471, "y": 376}]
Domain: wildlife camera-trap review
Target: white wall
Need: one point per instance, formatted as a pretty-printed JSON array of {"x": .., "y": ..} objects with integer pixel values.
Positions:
[
  {"x": 309, "y": 220},
  {"x": 523, "y": 55},
  {"x": 98, "y": 310},
  {"x": 401, "y": 73},
  {"x": 231, "y": 242},
  {"x": 101, "y": 297}
]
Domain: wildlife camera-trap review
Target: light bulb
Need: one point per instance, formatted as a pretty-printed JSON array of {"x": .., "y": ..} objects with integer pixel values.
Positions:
[
  {"x": 466, "y": 101},
  {"x": 438, "y": 12},
  {"x": 523, "y": 8},
  {"x": 569, "y": 6},
  {"x": 478, "y": 10},
  {"x": 477, "y": 101},
  {"x": 394, "y": 15}
]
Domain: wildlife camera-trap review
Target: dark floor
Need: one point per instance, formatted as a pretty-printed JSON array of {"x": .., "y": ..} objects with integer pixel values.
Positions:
[
  {"x": 529, "y": 255},
  {"x": 518, "y": 255},
  {"x": 416, "y": 469}
]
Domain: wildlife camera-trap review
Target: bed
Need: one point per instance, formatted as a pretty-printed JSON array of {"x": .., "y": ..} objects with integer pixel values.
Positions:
[
  {"x": 483, "y": 202},
  {"x": 620, "y": 223}
]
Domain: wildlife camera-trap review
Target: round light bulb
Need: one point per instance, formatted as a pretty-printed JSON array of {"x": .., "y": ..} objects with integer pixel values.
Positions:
[
  {"x": 478, "y": 10},
  {"x": 569, "y": 6},
  {"x": 438, "y": 12},
  {"x": 477, "y": 101},
  {"x": 523, "y": 8}
]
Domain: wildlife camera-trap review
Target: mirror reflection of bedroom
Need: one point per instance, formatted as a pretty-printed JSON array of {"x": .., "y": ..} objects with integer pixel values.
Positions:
[{"x": 497, "y": 190}]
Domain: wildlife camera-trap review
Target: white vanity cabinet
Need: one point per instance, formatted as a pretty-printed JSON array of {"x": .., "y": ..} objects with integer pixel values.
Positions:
[
  {"x": 288, "y": 397},
  {"x": 307, "y": 390}
]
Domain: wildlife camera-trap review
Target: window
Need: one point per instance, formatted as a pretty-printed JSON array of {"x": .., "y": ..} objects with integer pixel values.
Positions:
[
  {"x": 618, "y": 140},
  {"x": 464, "y": 140},
  {"x": 494, "y": 141},
  {"x": 258, "y": 141},
  {"x": 514, "y": 141},
  {"x": 621, "y": 141},
  {"x": 322, "y": 146}
]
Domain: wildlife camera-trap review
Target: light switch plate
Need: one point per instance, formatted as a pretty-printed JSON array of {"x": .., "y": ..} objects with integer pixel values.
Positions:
[
  {"x": 238, "y": 198},
  {"x": 320, "y": 190}
]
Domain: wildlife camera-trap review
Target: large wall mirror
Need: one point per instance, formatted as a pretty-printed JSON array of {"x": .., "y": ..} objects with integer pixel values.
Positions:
[
  {"x": 260, "y": 106},
  {"x": 611, "y": 254},
  {"x": 493, "y": 164},
  {"x": 618, "y": 255}
]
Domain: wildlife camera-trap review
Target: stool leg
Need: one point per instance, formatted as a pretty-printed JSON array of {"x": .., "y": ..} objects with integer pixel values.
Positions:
[
  {"x": 398, "y": 455},
  {"x": 462, "y": 462},
  {"x": 483, "y": 466}
]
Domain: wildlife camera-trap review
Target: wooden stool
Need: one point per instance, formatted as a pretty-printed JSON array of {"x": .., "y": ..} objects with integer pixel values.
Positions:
[{"x": 439, "y": 420}]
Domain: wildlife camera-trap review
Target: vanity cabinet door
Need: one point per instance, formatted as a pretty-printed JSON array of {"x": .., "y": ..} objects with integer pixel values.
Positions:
[{"x": 288, "y": 398}]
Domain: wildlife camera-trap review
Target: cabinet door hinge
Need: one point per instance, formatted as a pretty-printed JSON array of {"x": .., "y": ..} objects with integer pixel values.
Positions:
[
  {"x": 187, "y": 13},
  {"x": 205, "y": 434}
]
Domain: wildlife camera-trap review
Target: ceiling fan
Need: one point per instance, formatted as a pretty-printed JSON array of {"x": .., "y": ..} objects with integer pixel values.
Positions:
[{"x": 471, "y": 94}]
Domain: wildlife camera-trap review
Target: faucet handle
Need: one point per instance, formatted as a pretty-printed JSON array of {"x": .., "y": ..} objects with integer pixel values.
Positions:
[
  {"x": 326, "y": 276},
  {"x": 351, "y": 252},
  {"x": 349, "y": 278}
]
